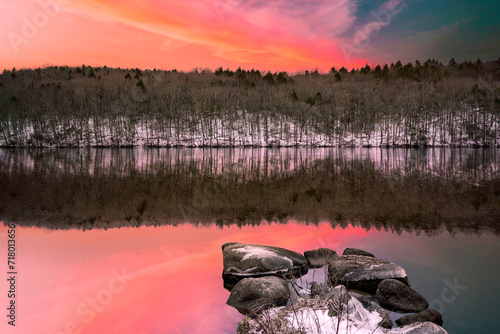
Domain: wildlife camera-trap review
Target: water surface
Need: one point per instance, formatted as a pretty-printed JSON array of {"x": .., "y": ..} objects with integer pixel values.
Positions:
[
  {"x": 174, "y": 284},
  {"x": 129, "y": 240}
]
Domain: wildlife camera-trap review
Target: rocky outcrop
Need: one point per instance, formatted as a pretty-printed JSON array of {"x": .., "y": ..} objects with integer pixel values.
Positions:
[
  {"x": 427, "y": 315},
  {"x": 253, "y": 295},
  {"x": 396, "y": 296},
  {"x": 363, "y": 272},
  {"x": 243, "y": 261},
  {"x": 320, "y": 257},
  {"x": 356, "y": 251},
  {"x": 360, "y": 292},
  {"x": 419, "y": 328}
]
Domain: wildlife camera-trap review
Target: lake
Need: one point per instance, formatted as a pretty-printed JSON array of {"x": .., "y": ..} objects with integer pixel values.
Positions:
[{"x": 129, "y": 240}]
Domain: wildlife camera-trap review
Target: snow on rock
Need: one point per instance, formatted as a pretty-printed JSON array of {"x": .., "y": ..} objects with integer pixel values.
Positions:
[
  {"x": 364, "y": 273},
  {"x": 243, "y": 260},
  {"x": 322, "y": 309},
  {"x": 252, "y": 252}
]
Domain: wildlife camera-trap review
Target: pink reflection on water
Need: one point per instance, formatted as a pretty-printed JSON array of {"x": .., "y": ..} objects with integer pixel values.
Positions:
[
  {"x": 139, "y": 280},
  {"x": 152, "y": 279}
]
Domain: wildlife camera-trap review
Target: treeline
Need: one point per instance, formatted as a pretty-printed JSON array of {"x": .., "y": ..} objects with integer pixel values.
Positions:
[{"x": 417, "y": 104}]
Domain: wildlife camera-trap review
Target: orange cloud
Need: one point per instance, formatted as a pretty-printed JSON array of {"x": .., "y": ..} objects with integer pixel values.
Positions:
[{"x": 264, "y": 34}]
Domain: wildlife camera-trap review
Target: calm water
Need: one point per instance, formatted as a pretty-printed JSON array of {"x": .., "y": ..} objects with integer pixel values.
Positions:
[{"x": 128, "y": 241}]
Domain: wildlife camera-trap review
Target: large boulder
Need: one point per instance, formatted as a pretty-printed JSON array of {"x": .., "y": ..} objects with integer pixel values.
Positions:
[
  {"x": 253, "y": 295},
  {"x": 363, "y": 273},
  {"x": 245, "y": 260},
  {"x": 320, "y": 257},
  {"x": 419, "y": 328},
  {"x": 427, "y": 315},
  {"x": 396, "y": 296},
  {"x": 356, "y": 251}
]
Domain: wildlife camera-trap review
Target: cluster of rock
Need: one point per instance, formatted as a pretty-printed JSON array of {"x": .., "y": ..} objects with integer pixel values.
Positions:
[{"x": 358, "y": 294}]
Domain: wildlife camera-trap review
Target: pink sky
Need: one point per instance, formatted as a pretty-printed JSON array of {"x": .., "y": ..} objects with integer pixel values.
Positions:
[{"x": 166, "y": 34}]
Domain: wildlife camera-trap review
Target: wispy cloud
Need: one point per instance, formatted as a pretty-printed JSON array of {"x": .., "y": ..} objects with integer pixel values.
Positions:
[
  {"x": 264, "y": 34},
  {"x": 276, "y": 33}
]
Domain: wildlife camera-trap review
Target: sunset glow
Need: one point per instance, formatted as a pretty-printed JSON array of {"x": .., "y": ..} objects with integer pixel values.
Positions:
[{"x": 276, "y": 35}]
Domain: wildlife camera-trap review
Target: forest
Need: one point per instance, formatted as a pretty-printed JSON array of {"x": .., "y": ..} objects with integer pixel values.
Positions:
[{"x": 398, "y": 105}]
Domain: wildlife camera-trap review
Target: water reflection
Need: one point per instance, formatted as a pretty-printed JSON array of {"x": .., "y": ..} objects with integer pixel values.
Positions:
[
  {"x": 167, "y": 279},
  {"x": 399, "y": 189}
]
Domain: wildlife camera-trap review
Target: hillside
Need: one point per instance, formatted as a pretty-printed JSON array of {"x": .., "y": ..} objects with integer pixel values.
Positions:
[{"x": 417, "y": 104}]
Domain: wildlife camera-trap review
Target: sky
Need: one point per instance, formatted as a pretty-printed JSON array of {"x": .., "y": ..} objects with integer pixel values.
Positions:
[{"x": 290, "y": 35}]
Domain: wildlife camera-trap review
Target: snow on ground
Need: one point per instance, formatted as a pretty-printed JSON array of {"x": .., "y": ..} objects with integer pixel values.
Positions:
[{"x": 315, "y": 319}]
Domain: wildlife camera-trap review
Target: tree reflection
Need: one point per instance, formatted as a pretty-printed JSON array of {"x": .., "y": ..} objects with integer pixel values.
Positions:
[{"x": 393, "y": 189}]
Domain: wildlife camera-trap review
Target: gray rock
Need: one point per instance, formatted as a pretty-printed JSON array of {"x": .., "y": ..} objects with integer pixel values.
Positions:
[
  {"x": 253, "y": 295},
  {"x": 356, "y": 251},
  {"x": 386, "y": 321},
  {"x": 244, "y": 260},
  {"x": 427, "y": 315},
  {"x": 369, "y": 302},
  {"x": 339, "y": 299},
  {"x": 320, "y": 257},
  {"x": 419, "y": 328},
  {"x": 338, "y": 295},
  {"x": 318, "y": 289},
  {"x": 396, "y": 296},
  {"x": 363, "y": 273}
]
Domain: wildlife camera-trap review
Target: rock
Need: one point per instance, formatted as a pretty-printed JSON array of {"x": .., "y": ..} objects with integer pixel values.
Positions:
[
  {"x": 419, "y": 328},
  {"x": 339, "y": 299},
  {"x": 352, "y": 310},
  {"x": 386, "y": 321},
  {"x": 320, "y": 257},
  {"x": 253, "y": 295},
  {"x": 318, "y": 289},
  {"x": 356, "y": 251},
  {"x": 244, "y": 260},
  {"x": 363, "y": 273},
  {"x": 369, "y": 302},
  {"x": 338, "y": 295},
  {"x": 427, "y": 315},
  {"x": 396, "y": 296}
]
